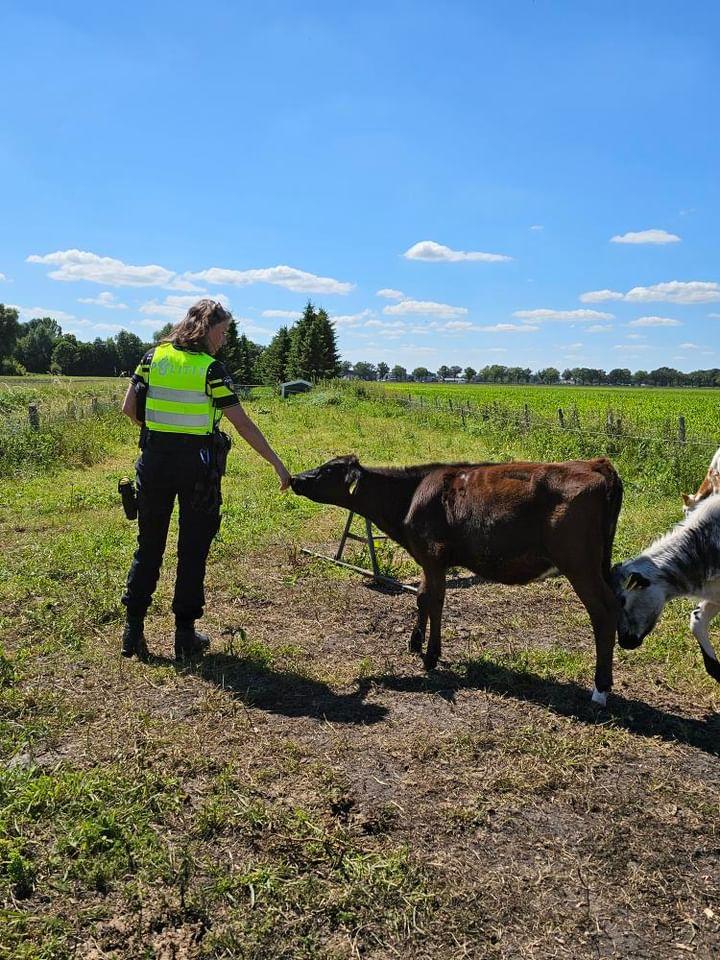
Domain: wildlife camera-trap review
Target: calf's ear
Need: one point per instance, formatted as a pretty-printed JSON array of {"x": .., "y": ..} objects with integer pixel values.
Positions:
[
  {"x": 687, "y": 499},
  {"x": 636, "y": 581},
  {"x": 352, "y": 475}
]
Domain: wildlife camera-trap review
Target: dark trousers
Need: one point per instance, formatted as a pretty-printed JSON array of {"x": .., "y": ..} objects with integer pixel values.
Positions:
[{"x": 164, "y": 473}]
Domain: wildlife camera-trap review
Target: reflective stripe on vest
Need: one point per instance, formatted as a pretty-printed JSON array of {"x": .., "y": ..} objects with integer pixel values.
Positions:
[{"x": 176, "y": 397}]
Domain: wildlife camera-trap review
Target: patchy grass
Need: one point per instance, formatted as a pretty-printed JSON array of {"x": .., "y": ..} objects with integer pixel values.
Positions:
[{"x": 306, "y": 790}]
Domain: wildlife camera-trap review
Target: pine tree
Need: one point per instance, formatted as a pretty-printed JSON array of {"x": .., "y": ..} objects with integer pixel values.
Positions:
[
  {"x": 275, "y": 358},
  {"x": 300, "y": 356},
  {"x": 329, "y": 357},
  {"x": 313, "y": 348},
  {"x": 230, "y": 352},
  {"x": 244, "y": 370}
]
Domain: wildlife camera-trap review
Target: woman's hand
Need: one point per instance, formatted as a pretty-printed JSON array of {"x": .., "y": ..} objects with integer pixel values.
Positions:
[{"x": 283, "y": 475}]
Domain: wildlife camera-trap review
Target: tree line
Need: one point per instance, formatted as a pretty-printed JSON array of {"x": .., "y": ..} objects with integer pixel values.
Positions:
[
  {"x": 497, "y": 373},
  {"x": 307, "y": 350}
]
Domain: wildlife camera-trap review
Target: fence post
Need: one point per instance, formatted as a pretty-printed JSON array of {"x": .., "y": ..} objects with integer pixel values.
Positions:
[
  {"x": 681, "y": 429},
  {"x": 561, "y": 417},
  {"x": 34, "y": 416}
]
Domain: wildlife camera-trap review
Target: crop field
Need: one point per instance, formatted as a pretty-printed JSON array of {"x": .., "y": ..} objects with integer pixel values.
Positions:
[
  {"x": 307, "y": 790},
  {"x": 642, "y": 410}
]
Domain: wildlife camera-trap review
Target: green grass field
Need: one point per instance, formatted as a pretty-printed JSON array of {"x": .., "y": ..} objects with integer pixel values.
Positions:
[{"x": 307, "y": 791}]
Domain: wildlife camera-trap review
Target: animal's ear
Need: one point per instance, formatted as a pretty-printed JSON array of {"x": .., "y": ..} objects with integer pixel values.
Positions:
[
  {"x": 352, "y": 474},
  {"x": 688, "y": 499},
  {"x": 636, "y": 581}
]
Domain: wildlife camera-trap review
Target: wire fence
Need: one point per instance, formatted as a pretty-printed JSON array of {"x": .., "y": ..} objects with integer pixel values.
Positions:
[{"x": 607, "y": 424}]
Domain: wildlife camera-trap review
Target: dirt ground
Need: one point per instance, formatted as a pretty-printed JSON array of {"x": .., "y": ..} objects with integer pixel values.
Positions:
[{"x": 540, "y": 826}]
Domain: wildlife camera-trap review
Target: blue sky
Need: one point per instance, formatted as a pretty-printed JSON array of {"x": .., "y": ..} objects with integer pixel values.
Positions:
[{"x": 528, "y": 183}]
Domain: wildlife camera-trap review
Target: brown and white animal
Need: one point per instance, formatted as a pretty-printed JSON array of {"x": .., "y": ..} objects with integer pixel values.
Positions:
[
  {"x": 683, "y": 563},
  {"x": 507, "y": 522},
  {"x": 709, "y": 486}
]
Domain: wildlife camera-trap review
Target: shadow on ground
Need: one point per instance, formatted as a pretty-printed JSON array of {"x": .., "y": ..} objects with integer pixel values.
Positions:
[
  {"x": 258, "y": 685},
  {"x": 563, "y": 697}
]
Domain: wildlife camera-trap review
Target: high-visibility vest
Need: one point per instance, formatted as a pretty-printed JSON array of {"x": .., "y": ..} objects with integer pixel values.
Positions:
[{"x": 177, "y": 401}]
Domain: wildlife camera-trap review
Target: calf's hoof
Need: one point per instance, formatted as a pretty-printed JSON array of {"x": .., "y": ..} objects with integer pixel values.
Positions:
[
  {"x": 415, "y": 642},
  {"x": 599, "y": 698},
  {"x": 430, "y": 662}
]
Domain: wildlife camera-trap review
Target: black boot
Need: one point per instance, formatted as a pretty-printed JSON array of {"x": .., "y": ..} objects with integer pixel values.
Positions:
[
  {"x": 189, "y": 642},
  {"x": 133, "y": 639}
]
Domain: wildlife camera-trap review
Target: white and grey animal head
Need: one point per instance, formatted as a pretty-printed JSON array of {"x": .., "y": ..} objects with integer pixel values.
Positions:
[{"x": 641, "y": 598}]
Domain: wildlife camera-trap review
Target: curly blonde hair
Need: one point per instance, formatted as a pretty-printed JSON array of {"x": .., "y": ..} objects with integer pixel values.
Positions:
[{"x": 191, "y": 332}]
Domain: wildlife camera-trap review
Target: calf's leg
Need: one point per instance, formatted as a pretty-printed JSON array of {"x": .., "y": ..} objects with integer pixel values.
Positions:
[
  {"x": 601, "y": 605},
  {"x": 417, "y": 637},
  {"x": 436, "y": 599},
  {"x": 699, "y": 622}
]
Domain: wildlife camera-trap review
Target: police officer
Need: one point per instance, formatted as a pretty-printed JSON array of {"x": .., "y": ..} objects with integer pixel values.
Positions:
[{"x": 184, "y": 392}]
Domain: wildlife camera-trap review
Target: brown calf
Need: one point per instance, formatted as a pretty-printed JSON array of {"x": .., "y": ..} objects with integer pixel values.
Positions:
[
  {"x": 709, "y": 486},
  {"x": 507, "y": 522}
]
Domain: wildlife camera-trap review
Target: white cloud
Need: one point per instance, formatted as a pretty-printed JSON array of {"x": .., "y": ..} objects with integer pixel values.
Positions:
[
  {"x": 674, "y": 291},
  {"x": 182, "y": 283},
  {"x": 298, "y": 281},
  {"x": 655, "y": 322},
  {"x": 646, "y": 236},
  {"x": 437, "y": 253},
  {"x": 509, "y": 328},
  {"x": 537, "y": 226},
  {"x": 458, "y": 325},
  {"x": 3, "y": 278},
  {"x": 106, "y": 300},
  {"x": 715, "y": 316},
  {"x": 175, "y": 307},
  {"x": 76, "y": 265},
  {"x": 563, "y": 315},
  {"x": 32, "y": 313},
  {"x": 389, "y": 294},
  {"x": 84, "y": 327},
  {"x": 282, "y": 314},
  {"x": 637, "y": 336},
  {"x": 426, "y": 308},
  {"x": 689, "y": 346},
  {"x": 599, "y": 328},
  {"x": 495, "y": 349},
  {"x": 251, "y": 329},
  {"x": 597, "y": 296},
  {"x": 633, "y": 347},
  {"x": 386, "y": 324},
  {"x": 350, "y": 319}
]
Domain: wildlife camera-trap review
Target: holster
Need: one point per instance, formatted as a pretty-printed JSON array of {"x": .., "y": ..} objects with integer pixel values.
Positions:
[
  {"x": 207, "y": 496},
  {"x": 221, "y": 445},
  {"x": 141, "y": 391}
]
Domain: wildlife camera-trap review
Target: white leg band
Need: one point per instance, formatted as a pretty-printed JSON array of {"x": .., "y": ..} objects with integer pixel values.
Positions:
[{"x": 599, "y": 698}]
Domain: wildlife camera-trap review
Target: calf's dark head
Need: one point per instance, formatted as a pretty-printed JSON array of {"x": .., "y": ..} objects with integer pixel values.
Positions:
[
  {"x": 640, "y": 604},
  {"x": 332, "y": 482}
]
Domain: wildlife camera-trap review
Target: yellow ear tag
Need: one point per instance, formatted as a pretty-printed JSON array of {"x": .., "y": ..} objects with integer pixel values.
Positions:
[{"x": 353, "y": 485}]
